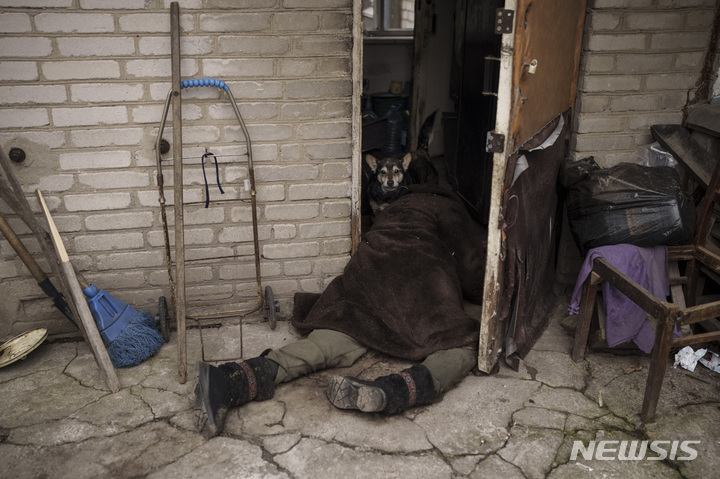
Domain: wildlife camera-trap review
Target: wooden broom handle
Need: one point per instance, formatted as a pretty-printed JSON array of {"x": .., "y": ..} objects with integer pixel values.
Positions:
[
  {"x": 64, "y": 258},
  {"x": 92, "y": 335}
]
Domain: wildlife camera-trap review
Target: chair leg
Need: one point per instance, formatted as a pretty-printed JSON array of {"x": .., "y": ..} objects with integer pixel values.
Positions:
[
  {"x": 692, "y": 273},
  {"x": 658, "y": 363},
  {"x": 587, "y": 305}
]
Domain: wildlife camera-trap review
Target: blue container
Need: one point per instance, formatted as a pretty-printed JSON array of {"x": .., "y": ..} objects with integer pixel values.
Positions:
[
  {"x": 383, "y": 102},
  {"x": 394, "y": 132},
  {"x": 111, "y": 315}
]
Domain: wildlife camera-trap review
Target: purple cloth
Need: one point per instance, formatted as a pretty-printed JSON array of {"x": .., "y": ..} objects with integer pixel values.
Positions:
[{"x": 626, "y": 320}]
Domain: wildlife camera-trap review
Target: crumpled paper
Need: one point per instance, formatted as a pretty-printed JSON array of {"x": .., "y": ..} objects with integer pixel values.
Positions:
[
  {"x": 687, "y": 358},
  {"x": 713, "y": 364}
]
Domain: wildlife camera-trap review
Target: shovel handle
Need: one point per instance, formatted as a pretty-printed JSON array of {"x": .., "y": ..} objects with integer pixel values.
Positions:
[
  {"x": 42, "y": 280},
  {"x": 22, "y": 252}
]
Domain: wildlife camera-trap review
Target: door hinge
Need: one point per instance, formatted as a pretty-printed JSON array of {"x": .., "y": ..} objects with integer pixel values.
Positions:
[
  {"x": 495, "y": 142},
  {"x": 504, "y": 21}
]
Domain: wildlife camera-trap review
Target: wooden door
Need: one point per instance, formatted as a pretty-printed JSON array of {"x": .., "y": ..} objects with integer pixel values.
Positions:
[{"x": 539, "y": 63}]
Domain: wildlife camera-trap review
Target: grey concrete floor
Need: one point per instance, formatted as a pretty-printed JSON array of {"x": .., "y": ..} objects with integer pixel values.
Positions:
[{"x": 59, "y": 420}]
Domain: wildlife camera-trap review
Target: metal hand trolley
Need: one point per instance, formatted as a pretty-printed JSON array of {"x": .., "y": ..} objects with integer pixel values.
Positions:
[{"x": 203, "y": 310}]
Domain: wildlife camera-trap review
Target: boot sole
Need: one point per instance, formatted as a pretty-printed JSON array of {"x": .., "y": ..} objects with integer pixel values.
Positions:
[
  {"x": 206, "y": 423},
  {"x": 346, "y": 393}
]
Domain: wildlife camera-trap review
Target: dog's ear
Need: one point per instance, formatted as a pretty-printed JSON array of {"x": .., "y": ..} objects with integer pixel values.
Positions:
[
  {"x": 372, "y": 162},
  {"x": 406, "y": 160}
]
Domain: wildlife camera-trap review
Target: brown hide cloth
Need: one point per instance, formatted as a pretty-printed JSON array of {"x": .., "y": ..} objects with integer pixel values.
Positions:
[
  {"x": 532, "y": 217},
  {"x": 402, "y": 292}
]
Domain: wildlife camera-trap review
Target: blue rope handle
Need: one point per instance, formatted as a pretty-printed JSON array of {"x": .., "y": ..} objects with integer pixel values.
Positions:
[{"x": 204, "y": 82}]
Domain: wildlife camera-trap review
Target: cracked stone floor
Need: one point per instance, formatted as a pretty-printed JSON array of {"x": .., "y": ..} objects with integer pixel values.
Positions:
[{"x": 58, "y": 420}]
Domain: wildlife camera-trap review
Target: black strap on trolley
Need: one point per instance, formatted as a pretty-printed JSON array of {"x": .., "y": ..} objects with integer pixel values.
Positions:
[{"x": 217, "y": 175}]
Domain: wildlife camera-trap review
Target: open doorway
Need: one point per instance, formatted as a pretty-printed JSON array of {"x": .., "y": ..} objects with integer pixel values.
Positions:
[
  {"x": 441, "y": 57},
  {"x": 388, "y": 27}
]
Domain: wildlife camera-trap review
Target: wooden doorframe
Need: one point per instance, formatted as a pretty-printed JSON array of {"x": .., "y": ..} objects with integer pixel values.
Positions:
[
  {"x": 490, "y": 344},
  {"x": 356, "y": 133},
  {"x": 527, "y": 99},
  {"x": 417, "y": 95}
]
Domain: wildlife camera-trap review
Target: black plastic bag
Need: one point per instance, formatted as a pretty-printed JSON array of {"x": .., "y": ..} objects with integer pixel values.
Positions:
[{"x": 627, "y": 203}]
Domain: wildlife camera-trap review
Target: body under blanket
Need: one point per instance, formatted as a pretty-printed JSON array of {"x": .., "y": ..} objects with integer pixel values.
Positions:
[{"x": 402, "y": 291}]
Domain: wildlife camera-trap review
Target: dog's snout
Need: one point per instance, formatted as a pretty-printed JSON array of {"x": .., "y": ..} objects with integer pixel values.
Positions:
[{"x": 391, "y": 183}]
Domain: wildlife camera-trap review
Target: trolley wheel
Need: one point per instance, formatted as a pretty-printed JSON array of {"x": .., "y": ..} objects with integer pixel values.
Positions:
[
  {"x": 163, "y": 318},
  {"x": 271, "y": 307}
]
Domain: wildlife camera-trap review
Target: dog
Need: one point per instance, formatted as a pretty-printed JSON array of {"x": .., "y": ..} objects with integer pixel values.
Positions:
[{"x": 391, "y": 174}]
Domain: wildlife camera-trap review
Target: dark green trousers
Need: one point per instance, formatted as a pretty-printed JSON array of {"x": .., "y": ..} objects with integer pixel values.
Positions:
[{"x": 324, "y": 348}]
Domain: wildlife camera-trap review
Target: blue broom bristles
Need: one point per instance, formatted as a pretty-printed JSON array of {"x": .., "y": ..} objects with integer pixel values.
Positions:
[{"x": 137, "y": 342}]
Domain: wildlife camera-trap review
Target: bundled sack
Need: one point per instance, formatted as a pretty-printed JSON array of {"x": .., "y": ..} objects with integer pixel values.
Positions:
[{"x": 627, "y": 203}]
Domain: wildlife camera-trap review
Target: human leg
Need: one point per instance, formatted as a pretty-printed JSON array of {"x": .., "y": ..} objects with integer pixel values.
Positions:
[
  {"x": 450, "y": 366},
  {"x": 229, "y": 385},
  {"x": 322, "y": 349},
  {"x": 389, "y": 394},
  {"x": 415, "y": 386},
  {"x": 234, "y": 384}
]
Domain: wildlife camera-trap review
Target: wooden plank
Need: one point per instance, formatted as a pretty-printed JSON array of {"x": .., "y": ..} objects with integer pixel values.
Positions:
[
  {"x": 696, "y": 339},
  {"x": 16, "y": 199},
  {"x": 551, "y": 34},
  {"x": 93, "y": 335},
  {"x": 683, "y": 252},
  {"x": 357, "y": 128},
  {"x": 491, "y": 340},
  {"x": 696, "y": 160},
  {"x": 678, "y": 281},
  {"x": 704, "y": 118},
  {"x": 702, "y": 228},
  {"x": 178, "y": 191},
  {"x": 676, "y": 291},
  {"x": 630, "y": 288},
  {"x": 658, "y": 363},
  {"x": 696, "y": 314},
  {"x": 21, "y": 251},
  {"x": 708, "y": 259},
  {"x": 418, "y": 96},
  {"x": 587, "y": 305}
]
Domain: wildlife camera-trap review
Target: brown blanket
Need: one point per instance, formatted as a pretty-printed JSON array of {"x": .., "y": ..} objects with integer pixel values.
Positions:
[{"x": 402, "y": 291}]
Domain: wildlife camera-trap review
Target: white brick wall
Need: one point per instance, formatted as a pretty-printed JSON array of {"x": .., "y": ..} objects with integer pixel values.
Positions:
[
  {"x": 641, "y": 61},
  {"x": 82, "y": 88}
]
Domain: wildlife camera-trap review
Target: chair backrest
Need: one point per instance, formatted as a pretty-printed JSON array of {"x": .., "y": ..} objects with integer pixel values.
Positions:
[{"x": 706, "y": 209}]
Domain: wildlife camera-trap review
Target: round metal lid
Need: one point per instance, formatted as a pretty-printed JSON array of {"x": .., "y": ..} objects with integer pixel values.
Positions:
[{"x": 19, "y": 346}]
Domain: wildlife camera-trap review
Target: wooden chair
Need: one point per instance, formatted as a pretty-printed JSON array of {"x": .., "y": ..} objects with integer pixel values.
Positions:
[{"x": 682, "y": 310}]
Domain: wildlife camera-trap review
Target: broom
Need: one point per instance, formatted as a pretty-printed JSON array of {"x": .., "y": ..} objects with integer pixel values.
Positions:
[{"x": 131, "y": 337}]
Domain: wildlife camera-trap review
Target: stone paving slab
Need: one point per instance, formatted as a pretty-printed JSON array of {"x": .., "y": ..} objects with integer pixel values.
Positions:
[{"x": 59, "y": 420}]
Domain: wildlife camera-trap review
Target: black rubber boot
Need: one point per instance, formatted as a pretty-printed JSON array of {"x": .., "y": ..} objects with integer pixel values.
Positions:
[
  {"x": 388, "y": 394},
  {"x": 231, "y": 385}
]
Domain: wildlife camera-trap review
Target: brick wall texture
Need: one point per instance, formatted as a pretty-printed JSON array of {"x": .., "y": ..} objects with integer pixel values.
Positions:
[
  {"x": 82, "y": 89},
  {"x": 641, "y": 62}
]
